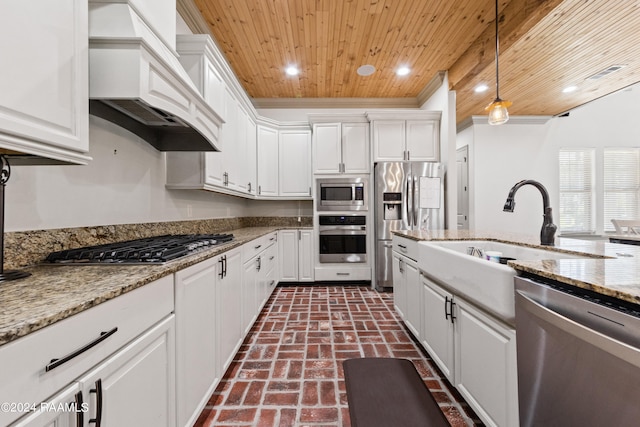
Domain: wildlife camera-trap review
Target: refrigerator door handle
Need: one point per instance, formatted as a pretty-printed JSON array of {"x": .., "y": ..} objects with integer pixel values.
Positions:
[
  {"x": 409, "y": 201},
  {"x": 416, "y": 203}
]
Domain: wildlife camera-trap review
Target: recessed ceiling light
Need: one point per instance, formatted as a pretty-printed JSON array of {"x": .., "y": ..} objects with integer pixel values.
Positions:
[
  {"x": 366, "y": 70},
  {"x": 292, "y": 70},
  {"x": 569, "y": 89},
  {"x": 481, "y": 88},
  {"x": 403, "y": 71}
]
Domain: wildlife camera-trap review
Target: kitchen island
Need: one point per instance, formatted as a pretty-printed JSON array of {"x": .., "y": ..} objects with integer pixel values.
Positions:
[{"x": 461, "y": 308}]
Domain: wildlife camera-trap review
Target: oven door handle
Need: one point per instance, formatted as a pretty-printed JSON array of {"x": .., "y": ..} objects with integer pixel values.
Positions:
[
  {"x": 341, "y": 232},
  {"x": 611, "y": 345}
]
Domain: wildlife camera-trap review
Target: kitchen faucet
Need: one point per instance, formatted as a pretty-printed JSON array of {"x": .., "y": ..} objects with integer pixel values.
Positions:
[{"x": 548, "y": 227}]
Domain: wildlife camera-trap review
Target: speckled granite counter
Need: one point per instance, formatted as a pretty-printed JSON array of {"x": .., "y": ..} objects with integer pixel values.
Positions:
[
  {"x": 54, "y": 292},
  {"x": 608, "y": 268}
]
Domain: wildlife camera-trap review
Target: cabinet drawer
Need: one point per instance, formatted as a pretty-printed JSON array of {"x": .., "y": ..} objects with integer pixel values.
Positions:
[
  {"x": 270, "y": 258},
  {"x": 254, "y": 247},
  {"x": 406, "y": 247},
  {"x": 345, "y": 273},
  {"x": 24, "y": 362}
]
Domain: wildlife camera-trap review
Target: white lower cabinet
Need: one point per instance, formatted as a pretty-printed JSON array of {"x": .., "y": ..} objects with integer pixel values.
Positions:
[
  {"x": 475, "y": 351},
  {"x": 438, "y": 326},
  {"x": 250, "y": 282},
  {"x": 407, "y": 292},
  {"x": 296, "y": 255},
  {"x": 71, "y": 397},
  {"x": 399, "y": 286},
  {"x": 228, "y": 307},
  {"x": 117, "y": 358},
  {"x": 197, "y": 371},
  {"x": 486, "y": 372},
  {"x": 136, "y": 386}
]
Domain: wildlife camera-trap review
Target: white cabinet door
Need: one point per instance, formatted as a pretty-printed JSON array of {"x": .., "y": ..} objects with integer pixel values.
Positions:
[
  {"x": 486, "y": 373},
  {"x": 44, "y": 84},
  {"x": 250, "y": 285},
  {"x": 267, "y": 161},
  {"x": 46, "y": 414},
  {"x": 238, "y": 176},
  {"x": 230, "y": 134},
  {"x": 136, "y": 387},
  {"x": 251, "y": 158},
  {"x": 388, "y": 140},
  {"x": 399, "y": 285},
  {"x": 294, "y": 163},
  {"x": 423, "y": 143},
  {"x": 355, "y": 148},
  {"x": 288, "y": 255},
  {"x": 295, "y": 252},
  {"x": 413, "y": 313},
  {"x": 305, "y": 256},
  {"x": 327, "y": 148},
  {"x": 196, "y": 365},
  {"x": 438, "y": 328},
  {"x": 228, "y": 307}
]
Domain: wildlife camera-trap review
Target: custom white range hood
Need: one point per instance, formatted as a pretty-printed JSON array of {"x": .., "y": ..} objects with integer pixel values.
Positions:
[{"x": 137, "y": 82}]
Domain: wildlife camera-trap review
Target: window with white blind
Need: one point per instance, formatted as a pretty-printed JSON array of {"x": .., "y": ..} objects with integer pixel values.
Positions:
[
  {"x": 621, "y": 185},
  {"x": 577, "y": 190}
]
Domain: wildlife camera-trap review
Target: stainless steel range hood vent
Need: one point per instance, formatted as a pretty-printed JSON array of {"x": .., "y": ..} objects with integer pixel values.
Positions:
[{"x": 137, "y": 82}]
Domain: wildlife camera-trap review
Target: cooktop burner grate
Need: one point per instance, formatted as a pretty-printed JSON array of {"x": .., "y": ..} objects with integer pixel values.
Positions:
[{"x": 151, "y": 250}]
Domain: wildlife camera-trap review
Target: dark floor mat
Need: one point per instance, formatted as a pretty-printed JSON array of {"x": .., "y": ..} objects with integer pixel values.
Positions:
[{"x": 388, "y": 392}]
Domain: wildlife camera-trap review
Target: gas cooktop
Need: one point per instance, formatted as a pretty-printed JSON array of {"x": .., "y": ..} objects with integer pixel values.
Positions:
[{"x": 151, "y": 250}]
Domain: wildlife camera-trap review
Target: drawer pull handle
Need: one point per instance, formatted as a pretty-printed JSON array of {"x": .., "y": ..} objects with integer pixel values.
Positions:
[
  {"x": 272, "y": 257},
  {"x": 57, "y": 362},
  {"x": 342, "y": 274},
  {"x": 98, "y": 391},
  {"x": 257, "y": 247}
]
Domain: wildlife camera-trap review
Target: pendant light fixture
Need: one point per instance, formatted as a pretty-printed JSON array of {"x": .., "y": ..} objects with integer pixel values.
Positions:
[{"x": 498, "y": 113}]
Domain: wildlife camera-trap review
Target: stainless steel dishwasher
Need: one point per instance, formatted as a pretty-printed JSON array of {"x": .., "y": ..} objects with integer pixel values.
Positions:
[{"x": 578, "y": 357}]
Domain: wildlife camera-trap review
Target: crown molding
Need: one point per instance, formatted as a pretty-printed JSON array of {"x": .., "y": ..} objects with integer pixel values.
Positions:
[
  {"x": 335, "y": 103},
  {"x": 192, "y": 16},
  {"x": 432, "y": 87}
]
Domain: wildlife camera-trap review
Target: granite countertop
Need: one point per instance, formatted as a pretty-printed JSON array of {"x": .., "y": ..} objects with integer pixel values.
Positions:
[
  {"x": 608, "y": 268},
  {"x": 55, "y": 292}
]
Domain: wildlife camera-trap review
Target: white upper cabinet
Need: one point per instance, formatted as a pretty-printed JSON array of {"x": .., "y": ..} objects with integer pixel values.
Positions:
[
  {"x": 355, "y": 148},
  {"x": 413, "y": 136},
  {"x": 267, "y": 161},
  {"x": 341, "y": 148},
  {"x": 44, "y": 106},
  {"x": 294, "y": 163},
  {"x": 284, "y": 161},
  {"x": 233, "y": 169},
  {"x": 327, "y": 148}
]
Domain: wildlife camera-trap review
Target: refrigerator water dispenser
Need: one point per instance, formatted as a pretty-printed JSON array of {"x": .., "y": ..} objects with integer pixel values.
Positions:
[{"x": 392, "y": 206}]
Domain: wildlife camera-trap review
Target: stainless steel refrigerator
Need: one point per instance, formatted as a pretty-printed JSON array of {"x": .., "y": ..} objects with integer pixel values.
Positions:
[{"x": 408, "y": 196}]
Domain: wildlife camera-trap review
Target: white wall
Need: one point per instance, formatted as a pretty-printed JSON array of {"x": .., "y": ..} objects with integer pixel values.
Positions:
[
  {"x": 445, "y": 100},
  {"x": 123, "y": 184},
  {"x": 502, "y": 155}
]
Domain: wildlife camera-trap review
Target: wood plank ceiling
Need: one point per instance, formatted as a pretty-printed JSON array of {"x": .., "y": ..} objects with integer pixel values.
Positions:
[{"x": 545, "y": 46}]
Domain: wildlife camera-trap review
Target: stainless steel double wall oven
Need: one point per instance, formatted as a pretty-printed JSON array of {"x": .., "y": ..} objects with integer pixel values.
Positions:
[{"x": 342, "y": 221}]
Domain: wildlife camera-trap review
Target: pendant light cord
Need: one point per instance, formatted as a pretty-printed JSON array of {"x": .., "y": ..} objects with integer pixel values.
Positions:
[{"x": 497, "y": 52}]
